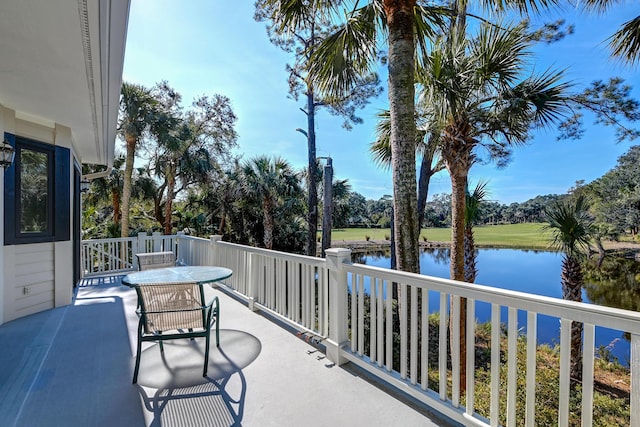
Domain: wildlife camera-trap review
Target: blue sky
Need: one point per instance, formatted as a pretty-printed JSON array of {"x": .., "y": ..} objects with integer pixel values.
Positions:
[{"x": 204, "y": 47}]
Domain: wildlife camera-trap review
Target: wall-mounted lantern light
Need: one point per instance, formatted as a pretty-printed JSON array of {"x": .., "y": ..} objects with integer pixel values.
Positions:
[
  {"x": 85, "y": 185},
  {"x": 7, "y": 153}
]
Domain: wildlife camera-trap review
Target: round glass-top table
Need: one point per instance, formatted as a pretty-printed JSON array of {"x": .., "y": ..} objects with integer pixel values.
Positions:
[{"x": 187, "y": 274}]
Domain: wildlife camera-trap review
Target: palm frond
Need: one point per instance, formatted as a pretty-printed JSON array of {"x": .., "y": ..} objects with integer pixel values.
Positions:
[
  {"x": 570, "y": 225},
  {"x": 625, "y": 43},
  {"x": 338, "y": 63},
  {"x": 500, "y": 53},
  {"x": 473, "y": 202},
  {"x": 524, "y": 7}
]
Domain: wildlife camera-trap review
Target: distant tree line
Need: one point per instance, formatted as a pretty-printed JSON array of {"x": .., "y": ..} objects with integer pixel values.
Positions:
[{"x": 376, "y": 213}]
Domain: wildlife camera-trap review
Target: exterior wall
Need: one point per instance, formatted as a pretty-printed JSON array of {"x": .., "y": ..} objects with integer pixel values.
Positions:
[
  {"x": 29, "y": 278},
  {"x": 39, "y": 276}
]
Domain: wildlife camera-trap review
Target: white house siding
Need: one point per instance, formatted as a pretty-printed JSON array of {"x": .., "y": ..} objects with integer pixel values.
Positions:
[
  {"x": 29, "y": 279},
  {"x": 38, "y": 276}
]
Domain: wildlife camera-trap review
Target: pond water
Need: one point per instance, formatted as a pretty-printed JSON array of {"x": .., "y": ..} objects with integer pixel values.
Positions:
[{"x": 532, "y": 271}]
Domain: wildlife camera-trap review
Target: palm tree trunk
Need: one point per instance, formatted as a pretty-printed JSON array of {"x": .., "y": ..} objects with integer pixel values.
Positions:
[
  {"x": 126, "y": 186},
  {"x": 572, "y": 281},
  {"x": 168, "y": 205},
  {"x": 115, "y": 200},
  {"x": 470, "y": 268},
  {"x": 401, "y": 99},
  {"x": 268, "y": 223},
  {"x": 423, "y": 186},
  {"x": 458, "y": 197},
  {"x": 312, "y": 190}
]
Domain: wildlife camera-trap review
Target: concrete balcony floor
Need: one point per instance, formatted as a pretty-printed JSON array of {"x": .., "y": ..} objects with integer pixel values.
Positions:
[{"x": 72, "y": 366}]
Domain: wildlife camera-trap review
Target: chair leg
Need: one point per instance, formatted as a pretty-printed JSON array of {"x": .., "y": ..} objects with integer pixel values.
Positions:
[
  {"x": 217, "y": 328},
  {"x": 206, "y": 355},
  {"x": 137, "y": 368}
]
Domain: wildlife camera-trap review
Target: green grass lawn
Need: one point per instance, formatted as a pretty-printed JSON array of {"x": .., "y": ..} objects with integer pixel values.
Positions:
[{"x": 528, "y": 235}]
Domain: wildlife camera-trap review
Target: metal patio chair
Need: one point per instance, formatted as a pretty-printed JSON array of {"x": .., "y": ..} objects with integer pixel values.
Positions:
[{"x": 170, "y": 311}]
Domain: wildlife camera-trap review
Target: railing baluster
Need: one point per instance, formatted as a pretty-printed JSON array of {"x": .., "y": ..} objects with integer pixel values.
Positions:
[
  {"x": 635, "y": 380},
  {"x": 512, "y": 365},
  {"x": 361, "y": 316},
  {"x": 389, "y": 326},
  {"x": 471, "y": 355},
  {"x": 589, "y": 336},
  {"x": 413, "y": 372},
  {"x": 455, "y": 352},
  {"x": 354, "y": 328},
  {"x": 373, "y": 330},
  {"x": 442, "y": 343},
  {"x": 495, "y": 365},
  {"x": 565, "y": 363},
  {"x": 532, "y": 333},
  {"x": 403, "y": 330},
  {"x": 381, "y": 334},
  {"x": 424, "y": 377}
]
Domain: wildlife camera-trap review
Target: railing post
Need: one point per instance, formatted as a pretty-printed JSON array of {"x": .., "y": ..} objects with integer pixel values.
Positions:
[
  {"x": 338, "y": 334},
  {"x": 139, "y": 248},
  {"x": 252, "y": 269},
  {"x": 215, "y": 259},
  {"x": 157, "y": 241},
  {"x": 179, "y": 251}
]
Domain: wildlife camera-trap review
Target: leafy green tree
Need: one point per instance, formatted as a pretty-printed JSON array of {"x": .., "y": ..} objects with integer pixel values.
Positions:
[
  {"x": 357, "y": 215},
  {"x": 107, "y": 191},
  {"x": 191, "y": 146},
  {"x": 274, "y": 183},
  {"x": 616, "y": 196},
  {"x": 298, "y": 27},
  {"x": 570, "y": 225}
]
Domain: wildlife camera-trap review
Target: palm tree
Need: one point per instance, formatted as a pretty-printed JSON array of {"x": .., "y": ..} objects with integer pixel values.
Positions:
[
  {"x": 471, "y": 215},
  {"x": 351, "y": 52},
  {"x": 478, "y": 91},
  {"x": 137, "y": 110},
  {"x": 298, "y": 27},
  {"x": 570, "y": 225},
  {"x": 272, "y": 182}
]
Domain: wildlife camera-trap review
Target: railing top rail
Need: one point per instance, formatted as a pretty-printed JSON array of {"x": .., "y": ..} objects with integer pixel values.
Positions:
[
  {"x": 113, "y": 239},
  {"x": 614, "y": 318},
  {"x": 199, "y": 239},
  {"x": 314, "y": 261}
]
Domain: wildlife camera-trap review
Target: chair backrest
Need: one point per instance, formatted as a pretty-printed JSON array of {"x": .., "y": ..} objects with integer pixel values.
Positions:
[
  {"x": 151, "y": 260},
  {"x": 172, "y": 306}
]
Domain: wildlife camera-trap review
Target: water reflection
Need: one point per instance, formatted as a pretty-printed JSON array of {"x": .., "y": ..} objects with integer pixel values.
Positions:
[{"x": 614, "y": 283}]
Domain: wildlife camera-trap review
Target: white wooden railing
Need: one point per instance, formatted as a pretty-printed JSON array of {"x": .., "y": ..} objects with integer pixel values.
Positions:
[
  {"x": 108, "y": 256},
  {"x": 327, "y": 297}
]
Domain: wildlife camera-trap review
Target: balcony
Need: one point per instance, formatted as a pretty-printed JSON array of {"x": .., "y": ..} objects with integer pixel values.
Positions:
[
  {"x": 304, "y": 341},
  {"x": 72, "y": 366}
]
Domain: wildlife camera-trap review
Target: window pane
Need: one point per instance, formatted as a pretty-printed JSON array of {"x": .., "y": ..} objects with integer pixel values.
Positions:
[{"x": 34, "y": 185}]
